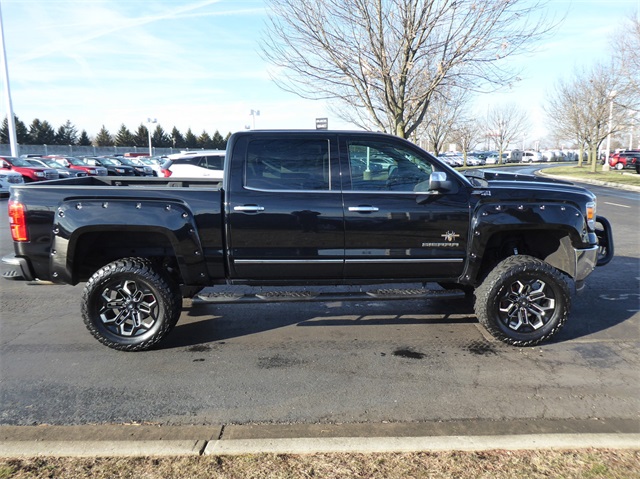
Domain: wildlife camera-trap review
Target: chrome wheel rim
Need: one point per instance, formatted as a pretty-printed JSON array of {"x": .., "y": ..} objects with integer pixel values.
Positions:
[
  {"x": 527, "y": 305},
  {"x": 128, "y": 308}
]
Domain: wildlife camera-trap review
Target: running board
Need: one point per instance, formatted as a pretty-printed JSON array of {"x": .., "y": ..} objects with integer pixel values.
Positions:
[{"x": 313, "y": 296}]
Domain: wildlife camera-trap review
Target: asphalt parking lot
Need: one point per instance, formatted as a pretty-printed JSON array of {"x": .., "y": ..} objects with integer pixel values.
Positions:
[{"x": 372, "y": 362}]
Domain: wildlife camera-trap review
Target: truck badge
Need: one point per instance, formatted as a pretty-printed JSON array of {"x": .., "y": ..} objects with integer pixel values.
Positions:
[{"x": 450, "y": 236}]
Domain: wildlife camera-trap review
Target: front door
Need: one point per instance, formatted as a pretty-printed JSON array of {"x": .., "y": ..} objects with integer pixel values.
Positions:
[{"x": 394, "y": 227}]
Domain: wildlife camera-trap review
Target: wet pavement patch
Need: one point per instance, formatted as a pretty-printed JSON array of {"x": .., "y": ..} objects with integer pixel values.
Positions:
[
  {"x": 480, "y": 348},
  {"x": 408, "y": 353},
  {"x": 199, "y": 348}
]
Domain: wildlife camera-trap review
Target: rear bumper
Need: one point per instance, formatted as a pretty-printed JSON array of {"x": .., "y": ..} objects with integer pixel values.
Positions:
[{"x": 16, "y": 268}]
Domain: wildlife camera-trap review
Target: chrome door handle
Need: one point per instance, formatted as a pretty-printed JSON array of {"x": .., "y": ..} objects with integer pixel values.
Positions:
[
  {"x": 363, "y": 209},
  {"x": 249, "y": 208}
]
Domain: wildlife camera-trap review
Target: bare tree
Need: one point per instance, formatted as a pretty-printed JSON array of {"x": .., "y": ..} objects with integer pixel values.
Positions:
[
  {"x": 446, "y": 108},
  {"x": 589, "y": 107},
  {"x": 384, "y": 60},
  {"x": 626, "y": 48},
  {"x": 468, "y": 133},
  {"x": 506, "y": 123}
]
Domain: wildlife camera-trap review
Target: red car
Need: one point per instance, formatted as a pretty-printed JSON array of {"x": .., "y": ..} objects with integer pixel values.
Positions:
[
  {"x": 79, "y": 164},
  {"x": 27, "y": 170},
  {"x": 625, "y": 159}
]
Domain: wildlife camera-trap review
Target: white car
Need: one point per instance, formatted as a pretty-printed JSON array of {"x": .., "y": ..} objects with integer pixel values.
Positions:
[
  {"x": 9, "y": 178},
  {"x": 195, "y": 164}
]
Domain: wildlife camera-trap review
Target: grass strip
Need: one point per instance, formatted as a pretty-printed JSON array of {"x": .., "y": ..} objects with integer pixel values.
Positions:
[{"x": 578, "y": 464}]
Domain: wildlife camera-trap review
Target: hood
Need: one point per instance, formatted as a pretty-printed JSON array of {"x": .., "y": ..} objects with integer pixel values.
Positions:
[{"x": 491, "y": 176}]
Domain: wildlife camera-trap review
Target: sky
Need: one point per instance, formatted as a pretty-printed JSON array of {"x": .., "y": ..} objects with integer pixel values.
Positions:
[{"x": 196, "y": 64}]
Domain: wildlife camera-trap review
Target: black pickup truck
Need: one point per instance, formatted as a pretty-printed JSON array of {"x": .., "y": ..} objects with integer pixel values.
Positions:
[{"x": 313, "y": 209}]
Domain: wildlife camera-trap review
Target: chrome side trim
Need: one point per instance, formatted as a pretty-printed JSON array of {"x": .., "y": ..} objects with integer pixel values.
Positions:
[
  {"x": 348, "y": 261},
  {"x": 288, "y": 261},
  {"x": 402, "y": 260}
]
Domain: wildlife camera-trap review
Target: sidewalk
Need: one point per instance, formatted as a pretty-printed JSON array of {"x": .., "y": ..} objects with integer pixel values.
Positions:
[{"x": 473, "y": 435}]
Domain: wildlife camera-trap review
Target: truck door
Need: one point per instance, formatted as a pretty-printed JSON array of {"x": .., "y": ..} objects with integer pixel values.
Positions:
[
  {"x": 284, "y": 208},
  {"x": 394, "y": 227}
]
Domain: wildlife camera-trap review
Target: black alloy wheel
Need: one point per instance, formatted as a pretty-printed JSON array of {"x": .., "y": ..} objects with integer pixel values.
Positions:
[
  {"x": 523, "y": 301},
  {"x": 128, "y": 305}
]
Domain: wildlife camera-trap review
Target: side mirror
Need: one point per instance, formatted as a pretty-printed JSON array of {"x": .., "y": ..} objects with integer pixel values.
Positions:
[{"x": 438, "y": 182}]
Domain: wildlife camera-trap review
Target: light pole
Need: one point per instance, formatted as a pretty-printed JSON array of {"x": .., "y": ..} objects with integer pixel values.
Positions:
[
  {"x": 11, "y": 122},
  {"x": 253, "y": 114},
  {"x": 605, "y": 166},
  {"x": 150, "y": 121}
]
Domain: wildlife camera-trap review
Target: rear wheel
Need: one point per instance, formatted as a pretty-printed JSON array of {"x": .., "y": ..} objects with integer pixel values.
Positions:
[
  {"x": 523, "y": 301},
  {"x": 128, "y": 305}
]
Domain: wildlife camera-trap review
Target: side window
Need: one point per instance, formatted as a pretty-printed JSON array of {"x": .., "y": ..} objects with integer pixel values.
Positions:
[
  {"x": 288, "y": 164},
  {"x": 378, "y": 166},
  {"x": 213, "y": 162}
]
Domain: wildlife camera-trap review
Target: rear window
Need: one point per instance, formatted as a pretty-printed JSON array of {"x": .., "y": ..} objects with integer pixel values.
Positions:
[{"x": 288, "y": 164}]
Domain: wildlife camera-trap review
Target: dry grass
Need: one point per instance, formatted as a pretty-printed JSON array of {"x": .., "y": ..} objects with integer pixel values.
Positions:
[{"x": 578, "y": 464}]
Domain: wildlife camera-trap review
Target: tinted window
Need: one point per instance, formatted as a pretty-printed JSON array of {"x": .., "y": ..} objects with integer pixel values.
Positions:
[
  {"x": 295, "y": 164},
  {"x": 381, "y": 166}
]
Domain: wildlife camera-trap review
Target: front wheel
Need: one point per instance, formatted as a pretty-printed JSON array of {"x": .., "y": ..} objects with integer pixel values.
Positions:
[
  {"x": 619, "y": 166},
  {"x": 128, "y": 305},
  {"x": 523, "y": 301}
]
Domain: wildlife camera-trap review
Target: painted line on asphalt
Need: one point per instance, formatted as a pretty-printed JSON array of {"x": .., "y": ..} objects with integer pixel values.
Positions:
[{"x": 616, "y": 204}]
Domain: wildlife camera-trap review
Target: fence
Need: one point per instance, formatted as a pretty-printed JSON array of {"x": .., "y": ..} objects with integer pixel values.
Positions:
[{"x": 75, "y": 150}]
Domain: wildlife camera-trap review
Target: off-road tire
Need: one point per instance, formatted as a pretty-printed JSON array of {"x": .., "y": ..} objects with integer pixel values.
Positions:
[
  {"x": 523, "y": 301},
  {"x": 130, "y": 305}
]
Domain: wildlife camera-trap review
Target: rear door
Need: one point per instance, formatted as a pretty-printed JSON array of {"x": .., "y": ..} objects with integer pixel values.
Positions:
[
  {"x": 284, "y": 208},
  {"x": 394, "y": 228}
]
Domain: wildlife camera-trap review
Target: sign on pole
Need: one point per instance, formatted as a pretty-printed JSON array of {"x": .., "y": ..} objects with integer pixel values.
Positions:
[{"x": 322, "y": 123}]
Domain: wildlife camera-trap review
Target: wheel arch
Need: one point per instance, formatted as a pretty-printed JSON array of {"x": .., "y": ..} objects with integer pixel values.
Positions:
[{"x": 89, "y": 234}]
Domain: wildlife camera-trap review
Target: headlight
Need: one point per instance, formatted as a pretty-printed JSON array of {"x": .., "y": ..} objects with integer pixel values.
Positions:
[
  {"x": 119, "y": 170},
  {"x": 591, "y": 215}
]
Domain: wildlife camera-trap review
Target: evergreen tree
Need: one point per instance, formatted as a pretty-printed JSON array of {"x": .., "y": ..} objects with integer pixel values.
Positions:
[
  {"x": 124, "y": 137},
  {"x": 141, "y": 137},
  {"x": 103, "y": 138},
  {"x": 84, "y": 139},
  {"x": 226, "y": 140},
  {"x": 160, "y": 138},
  {"x": 177, "y": 140},
  {"x": 217, "y": 141},
  {"x": 190, "y": 140},
  {"x": 204, "y": 141},
  {"x": 67, "y": 134},
  {"x": 22, "y": 134},
  {"x": 41, "y": 133}
]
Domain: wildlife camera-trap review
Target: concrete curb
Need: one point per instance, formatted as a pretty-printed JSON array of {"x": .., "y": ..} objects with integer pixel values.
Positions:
[
  {"x": 114, "y": 440},
  {"x": 318, "y": 445},
  {"x": 422, "y": 444}
]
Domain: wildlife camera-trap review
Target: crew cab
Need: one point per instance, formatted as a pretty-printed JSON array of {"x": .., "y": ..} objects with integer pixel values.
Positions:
[
  {"x": 28, "y": 171},
  {"x": 311, "y": 209}
]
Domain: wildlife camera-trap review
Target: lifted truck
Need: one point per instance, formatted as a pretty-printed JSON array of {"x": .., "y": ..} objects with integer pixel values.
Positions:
[{"x": 310, "y": 208}]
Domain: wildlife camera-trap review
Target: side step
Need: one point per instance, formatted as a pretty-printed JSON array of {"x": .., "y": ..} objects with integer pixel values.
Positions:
[{"x": 314, "y": 296}]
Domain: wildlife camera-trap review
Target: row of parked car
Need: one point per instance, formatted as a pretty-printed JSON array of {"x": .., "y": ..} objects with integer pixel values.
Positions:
[
  {"x": 30, "y": 168},
  {"x": 627, "y": 159}
]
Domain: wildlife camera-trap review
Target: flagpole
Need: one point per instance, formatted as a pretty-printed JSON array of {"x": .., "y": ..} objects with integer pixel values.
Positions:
[{"x": 11, "y": 122}]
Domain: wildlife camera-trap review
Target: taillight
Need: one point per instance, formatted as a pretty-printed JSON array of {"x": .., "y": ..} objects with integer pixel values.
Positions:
[
  {"x": 166, "y": 173},
  {"x": 17, "y": 221}
]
